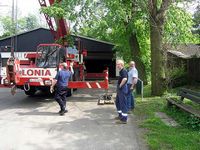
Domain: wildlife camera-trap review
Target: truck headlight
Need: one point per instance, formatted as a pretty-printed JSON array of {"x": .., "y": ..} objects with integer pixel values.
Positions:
[
  {"x": 48, "y": 82},
  {"x": 5, "y": 82}
]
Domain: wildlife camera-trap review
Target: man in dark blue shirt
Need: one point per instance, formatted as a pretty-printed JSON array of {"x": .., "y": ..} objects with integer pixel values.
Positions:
[
  {"x": 61, "y": 81},
  {"x": 122, "y": 89}
]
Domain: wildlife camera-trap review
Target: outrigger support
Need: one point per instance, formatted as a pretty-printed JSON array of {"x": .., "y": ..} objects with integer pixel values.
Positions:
[{"x": 106, "y": 98}]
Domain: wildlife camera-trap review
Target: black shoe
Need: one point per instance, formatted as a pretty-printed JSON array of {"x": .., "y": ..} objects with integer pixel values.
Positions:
[
  {"x": 62, "y": 112},
  {"x": 117, "y": 118},
  {"x": 121, "y": 122}
]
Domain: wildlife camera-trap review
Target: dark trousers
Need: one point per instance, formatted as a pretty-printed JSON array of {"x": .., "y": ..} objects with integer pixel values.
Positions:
[
  {"x": 60, "y": 96},
  {"x": 121, "y": 103},
  {"x": 130, "y": 98}
]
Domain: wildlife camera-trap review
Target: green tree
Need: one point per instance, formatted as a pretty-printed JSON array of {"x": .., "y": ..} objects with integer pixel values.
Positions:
[
  {"x": 96, "y": 18},
  {"x": 21, "y": 25},
  {"x": 177, "y": 32},
  {"x": 197, "y": 16},
  {"x": 196, "y": 19},
  {"x": 157, "y": 20},
  {"x": 29, "y": 22},
  {"x": 135, "y": 27},
  {"x": 168, "y": 24},
  {"x": 6, "y": 23}
]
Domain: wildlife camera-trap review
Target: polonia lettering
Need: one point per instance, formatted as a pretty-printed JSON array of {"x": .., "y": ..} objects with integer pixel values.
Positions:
[{"x": 30, "y": 72}]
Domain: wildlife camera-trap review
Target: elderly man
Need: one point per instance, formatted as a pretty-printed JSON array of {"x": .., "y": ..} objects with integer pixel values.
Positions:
[
  {"x": 61, "y": 81},
  {"x": 132, "y": 81},
  {"x": 121, "y": 100}
]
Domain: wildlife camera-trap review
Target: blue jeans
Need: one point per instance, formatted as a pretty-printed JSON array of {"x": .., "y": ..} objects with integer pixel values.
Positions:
[
  {"x": 60, "y": 96},
  {"x": 130, "y": 98},
  {"x": 121, "y": 103}
]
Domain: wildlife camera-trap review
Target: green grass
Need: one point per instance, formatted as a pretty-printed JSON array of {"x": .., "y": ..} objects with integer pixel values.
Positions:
[{"x": 160, "y": 136}]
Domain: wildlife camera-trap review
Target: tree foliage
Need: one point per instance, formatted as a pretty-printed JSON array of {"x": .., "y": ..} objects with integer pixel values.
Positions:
[
  {"x": 197, "y": 16},
  {"x": 196, "y": 19},
  {"x": 113, "y": 21},
  {"x": 6, "y": 23},
  {"x": 119, "y": 21},
  {"x": 178, "y": 27},
  {"x": 21, "y": 25}
]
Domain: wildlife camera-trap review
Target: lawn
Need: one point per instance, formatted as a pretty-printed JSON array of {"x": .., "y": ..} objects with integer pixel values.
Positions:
[{"x": 159, "y": 136}]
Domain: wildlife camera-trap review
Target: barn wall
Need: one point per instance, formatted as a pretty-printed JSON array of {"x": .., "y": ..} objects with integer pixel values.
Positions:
[
  {"x": 29, "y": 41},
  {"x": 194, "y": 70},
  {"x": 100, "y": 54}
]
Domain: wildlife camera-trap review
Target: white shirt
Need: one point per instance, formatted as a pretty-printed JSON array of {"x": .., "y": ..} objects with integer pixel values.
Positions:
[{"x": 133, "y": 73}]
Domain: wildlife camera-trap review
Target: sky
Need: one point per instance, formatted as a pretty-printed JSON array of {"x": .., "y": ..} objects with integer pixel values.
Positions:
[
  {"x": 191, "y": 6},
  {"x": 32, "y": 7},
  {"x": 26, "y": 7}
]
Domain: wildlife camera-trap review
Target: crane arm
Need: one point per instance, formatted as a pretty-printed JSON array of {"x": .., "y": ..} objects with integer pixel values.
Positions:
[{"x": 62, "y": 26}]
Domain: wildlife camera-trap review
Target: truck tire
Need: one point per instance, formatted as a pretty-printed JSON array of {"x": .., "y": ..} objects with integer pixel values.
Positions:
[{"x": 30, "y": 92}]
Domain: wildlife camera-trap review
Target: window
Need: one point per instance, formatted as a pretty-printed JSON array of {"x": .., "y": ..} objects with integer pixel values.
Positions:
[{"x": 4, "y": 62}]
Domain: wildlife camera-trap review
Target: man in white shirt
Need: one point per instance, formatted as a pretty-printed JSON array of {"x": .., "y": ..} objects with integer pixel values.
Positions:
[{"x": 132, "y": 81}]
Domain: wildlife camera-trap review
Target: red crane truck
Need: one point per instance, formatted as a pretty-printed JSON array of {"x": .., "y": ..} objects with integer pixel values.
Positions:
[{"x": 37, "y": 72}]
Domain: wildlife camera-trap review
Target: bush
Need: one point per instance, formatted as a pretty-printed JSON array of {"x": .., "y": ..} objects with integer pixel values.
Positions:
[
  {"x": 194, "y": 122},
  {"x": 176, "y": 76}
]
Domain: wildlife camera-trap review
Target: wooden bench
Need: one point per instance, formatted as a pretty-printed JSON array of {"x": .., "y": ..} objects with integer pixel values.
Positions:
[{"x": 189, "y": 94}]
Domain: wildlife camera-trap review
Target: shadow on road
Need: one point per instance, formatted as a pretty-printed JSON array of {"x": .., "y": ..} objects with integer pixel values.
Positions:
[
  {"x": 38, "y": 113},
  {"x": 95, "y": 130},
  {"x": 20, "y": 100}
]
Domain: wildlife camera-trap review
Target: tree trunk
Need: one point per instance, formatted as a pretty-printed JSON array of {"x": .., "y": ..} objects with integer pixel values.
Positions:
[
  {"x": 135, "y": 51},
  {"x": 157, "y": 59},
  {"x": 157, "y": 19}
]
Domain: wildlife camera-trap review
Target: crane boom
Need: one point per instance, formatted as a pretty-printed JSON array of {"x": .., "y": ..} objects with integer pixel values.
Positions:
[{"x": 62, "y": 26}]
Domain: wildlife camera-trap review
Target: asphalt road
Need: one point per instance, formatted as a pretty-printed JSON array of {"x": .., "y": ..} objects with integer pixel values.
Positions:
[{"x": 32, "y": 123}]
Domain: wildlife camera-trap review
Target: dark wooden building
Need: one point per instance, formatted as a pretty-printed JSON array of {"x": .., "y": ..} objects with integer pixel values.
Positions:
[
  {"x": 100, "y": 54},
  {"x": 187, "y": 56}
]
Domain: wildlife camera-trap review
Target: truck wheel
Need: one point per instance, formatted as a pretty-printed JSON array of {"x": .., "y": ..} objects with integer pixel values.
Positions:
[{"x": 30, "y": 92}]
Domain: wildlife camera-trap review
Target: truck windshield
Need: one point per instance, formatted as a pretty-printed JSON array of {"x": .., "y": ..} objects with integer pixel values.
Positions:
[{"x": 48, "y": 56}]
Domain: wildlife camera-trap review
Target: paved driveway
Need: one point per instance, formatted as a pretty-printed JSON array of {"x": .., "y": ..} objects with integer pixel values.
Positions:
[{"x": 32, "y": 123}]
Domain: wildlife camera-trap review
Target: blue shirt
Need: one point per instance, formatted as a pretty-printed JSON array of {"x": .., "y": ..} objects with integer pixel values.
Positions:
[
  {"x": 62, "y": 77},
  {"x": 133, "y": 73},
  {"x": 122, "y": 74}
]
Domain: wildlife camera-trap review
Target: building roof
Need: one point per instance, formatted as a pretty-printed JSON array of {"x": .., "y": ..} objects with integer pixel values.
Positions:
[
  {"x": 88, "y": 38},
  {"x": 81, "y": 36},
  {"x": 22, "y": 33},
  {"x": 185, "y": 51}
]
